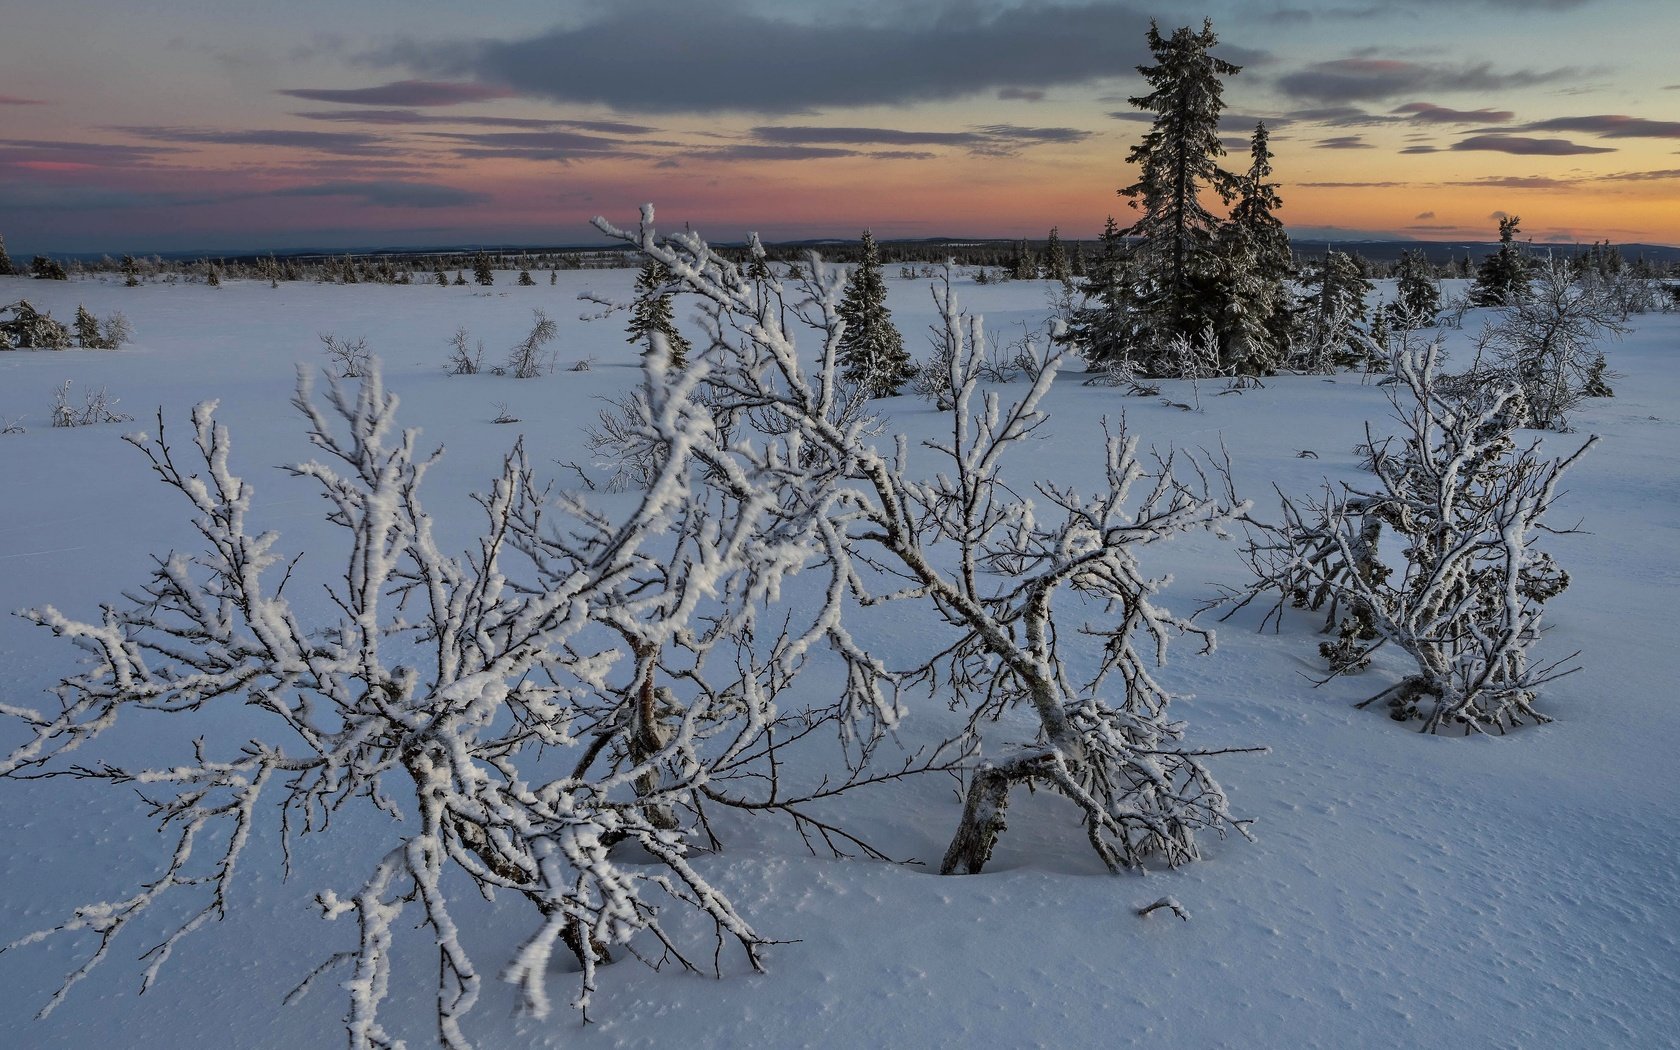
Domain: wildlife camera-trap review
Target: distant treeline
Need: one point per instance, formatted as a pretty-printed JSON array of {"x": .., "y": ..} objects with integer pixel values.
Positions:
[{"x": 1001, "y": 259}]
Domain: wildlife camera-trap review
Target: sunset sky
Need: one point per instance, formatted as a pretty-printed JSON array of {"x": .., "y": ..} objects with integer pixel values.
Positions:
[{"x": 169, "y": 125}]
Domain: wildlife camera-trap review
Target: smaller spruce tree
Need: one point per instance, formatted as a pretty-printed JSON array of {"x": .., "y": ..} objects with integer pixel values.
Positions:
[
  {"x": 1023, "y": 266},
  {"x": 1417, "y": 294},
  {"x": 1103, "y": 327},
  {"x": 45, "y": 269},
  {"x": 1502, "y": 278},
  {"x": 758, "y": 268},
  {"x": 1056, "y": 265},
  {"x": 1333, "y": 311},
  {"x": 871, "y": 351},
  {"x": 87, "y": 329},
  {"x": 482, "y": 273},
  {"x": 650, "y": 314}
]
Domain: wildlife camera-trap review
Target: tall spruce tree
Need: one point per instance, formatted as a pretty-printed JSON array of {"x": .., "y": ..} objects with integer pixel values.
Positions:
[
  {"x": 1255, "y": 264},
  {"x": 1177, "y": 160},
  {"x": 871, "y": 350},
  {"x": 650, "y": 314},
  {"x": 6, "y": 267},
  {"x": 1503, "y": 276},
  {"x": 482, "y": 273}
]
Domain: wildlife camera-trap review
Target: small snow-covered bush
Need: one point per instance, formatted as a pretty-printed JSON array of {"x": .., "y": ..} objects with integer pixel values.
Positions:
[
  {"x": 348, "y": 360},
  {"x": 97, "y": 407},
  {"x": 528, "y": 358},
  {"x": 465, "y": 359},
  {"x": 1464, "y": 592}
]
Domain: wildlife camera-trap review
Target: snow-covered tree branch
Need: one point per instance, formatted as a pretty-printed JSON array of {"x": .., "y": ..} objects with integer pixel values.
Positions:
[
  {"x": 481, "y": 703},
  {"x": 979, "y": 559}
]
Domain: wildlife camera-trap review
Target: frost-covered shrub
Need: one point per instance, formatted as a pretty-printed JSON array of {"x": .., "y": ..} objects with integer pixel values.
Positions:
[
  {"x": 465, "y": 359},
  {"x": 348, "y": 360},
  {"x": 115, "y": 331},
  {"x": 1547, "y": 342},
  {"x": 973, "y": 558},
  {"x": 528, "y": 358},
  {"x": 1460, "y": 587},
  {"x": 97, "y": 407},
  {"x": 514, "y": 719}
]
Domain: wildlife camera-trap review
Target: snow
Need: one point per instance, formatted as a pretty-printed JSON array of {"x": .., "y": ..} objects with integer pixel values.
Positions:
[{"x": 1403, "y": 889}]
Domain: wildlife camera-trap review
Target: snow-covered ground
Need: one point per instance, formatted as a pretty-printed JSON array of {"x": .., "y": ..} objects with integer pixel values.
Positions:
[{"x": 1404, "y": 890}]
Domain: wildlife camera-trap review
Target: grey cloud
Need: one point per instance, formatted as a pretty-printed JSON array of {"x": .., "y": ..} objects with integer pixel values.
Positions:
[
  {"x": 1020, "y": 94},
  {"x": 699, "y": 58},
  {"x": 1342, "y": 117},
  {"x": 1344, "y": 142},
  {"x": 409, "y": 117},
  {"x": 347, "y": 143},
  {"x": 1429, "y": 113},
  {"x": 55, "y": 196},
  {"x": 1610, "y": 126},
  {"x": 1643, "y": 176},
  {"x": 1383, "y": 78},
  {"x": 553, "y": 139},
  {"x": 389, "y": 194},
  {"x": 757, "y": 151},
  {"x": 1522, "y": 145},
  {"x": 1421, "y": 149},
  {"x": 552, "y": 145},
  {"x": 804, "y": 134},
  {"x": 92, "y": 154},
  {"x": 1518, "y": 182},
  {"x": 1425, "y": 215},
  {"x": 991, "y": 139},
  {"x": 1018, "y": 133},
  {"x": 405, "y": 93}
]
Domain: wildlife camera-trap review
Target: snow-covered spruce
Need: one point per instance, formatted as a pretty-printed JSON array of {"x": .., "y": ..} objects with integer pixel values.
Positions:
[
  {"x": 1465, "y": 596},
  {"x": 477, "y": 702},
  {"x": 975, "y": 557}
]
